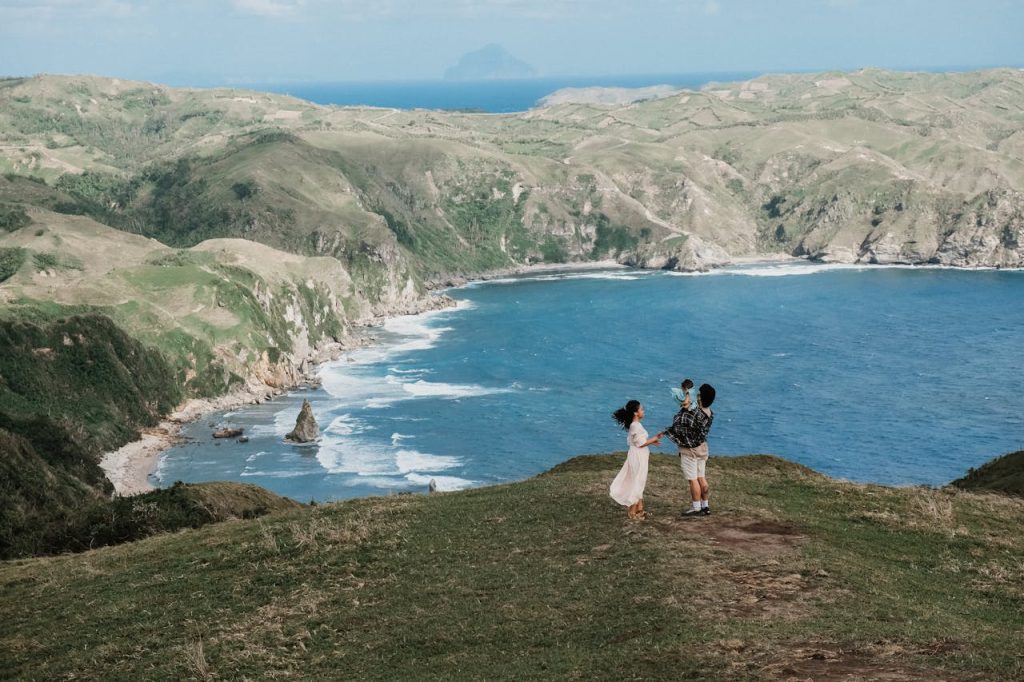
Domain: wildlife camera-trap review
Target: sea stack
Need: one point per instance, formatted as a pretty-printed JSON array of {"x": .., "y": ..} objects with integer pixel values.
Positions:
[{"x": 306, "y": 429}]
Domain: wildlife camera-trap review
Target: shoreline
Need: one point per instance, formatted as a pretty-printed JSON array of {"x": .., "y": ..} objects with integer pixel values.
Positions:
[{"x": 129, "y": 467}]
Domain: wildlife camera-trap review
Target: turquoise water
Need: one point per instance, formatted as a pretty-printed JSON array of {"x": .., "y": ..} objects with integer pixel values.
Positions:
[
  {"x": 890, "y": 375},
  {"x": 498, "y": 96}
]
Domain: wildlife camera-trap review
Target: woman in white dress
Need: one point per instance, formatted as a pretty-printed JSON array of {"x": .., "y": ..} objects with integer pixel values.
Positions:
[{"x": 628, "y": 487}]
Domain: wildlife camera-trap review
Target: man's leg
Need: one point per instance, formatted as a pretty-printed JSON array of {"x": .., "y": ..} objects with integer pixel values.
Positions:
[
  {"x": 689, "y": 465},
  {"x": 696, "y": 490},
  {"x": 703, "y": 482}
]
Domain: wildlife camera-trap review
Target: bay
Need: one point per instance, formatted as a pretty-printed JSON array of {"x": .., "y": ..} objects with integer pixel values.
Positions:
[
  {"x": 495, "y": 96},
  {"x": 888, "y": 375}
]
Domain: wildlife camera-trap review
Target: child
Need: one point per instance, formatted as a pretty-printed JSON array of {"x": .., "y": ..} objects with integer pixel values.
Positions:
[{"x": 685, "y": 393}]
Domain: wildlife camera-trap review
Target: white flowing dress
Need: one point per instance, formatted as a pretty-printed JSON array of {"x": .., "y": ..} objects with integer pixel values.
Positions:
[{"x": 628, "y": 487}]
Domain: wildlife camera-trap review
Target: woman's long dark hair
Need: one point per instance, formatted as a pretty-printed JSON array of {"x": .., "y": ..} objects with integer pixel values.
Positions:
[{"x": 624, "y": 415}]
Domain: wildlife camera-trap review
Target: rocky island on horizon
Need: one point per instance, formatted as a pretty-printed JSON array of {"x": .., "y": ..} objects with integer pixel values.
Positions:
[{"x": 490, "y": 62}]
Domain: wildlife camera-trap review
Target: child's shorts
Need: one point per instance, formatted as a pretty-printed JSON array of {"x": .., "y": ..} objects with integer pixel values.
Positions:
[{"x": 694, "y": 461}]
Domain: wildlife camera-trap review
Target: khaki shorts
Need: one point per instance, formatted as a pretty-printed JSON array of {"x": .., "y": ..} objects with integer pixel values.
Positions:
[{"x": 694, "y": 461}]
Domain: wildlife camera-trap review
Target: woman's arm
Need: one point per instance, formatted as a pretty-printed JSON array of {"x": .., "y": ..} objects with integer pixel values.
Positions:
[{"x": 653, "y": 441}]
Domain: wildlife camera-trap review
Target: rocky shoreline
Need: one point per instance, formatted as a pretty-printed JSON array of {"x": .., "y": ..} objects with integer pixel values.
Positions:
[{"x": 129, "y": 467}]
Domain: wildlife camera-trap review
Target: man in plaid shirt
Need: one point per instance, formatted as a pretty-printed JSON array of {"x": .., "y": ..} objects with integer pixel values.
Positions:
[{"x": 689, "y": 431}]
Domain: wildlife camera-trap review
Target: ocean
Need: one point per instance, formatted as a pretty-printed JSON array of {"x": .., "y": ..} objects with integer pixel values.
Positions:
[
  {"x": 873, "y": 374},
  {"x": 495, "y": 97}
]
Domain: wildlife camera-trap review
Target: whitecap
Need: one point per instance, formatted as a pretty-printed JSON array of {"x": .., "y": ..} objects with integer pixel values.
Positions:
[
  {"x": 421, "y": 389},
  {"x": 395, "y": 370},
  {"x": 338, "y": 455},
  {"x": 408, "y": 461},
  {"x": 397, "y": 438},
  {"x": 274, "y": 474},
  {"x": 345, "y": 425},
  {"x": 159, "y": 473}
]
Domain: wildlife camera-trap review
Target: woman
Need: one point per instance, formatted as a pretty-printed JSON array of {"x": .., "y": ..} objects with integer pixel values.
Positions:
[{"x": 628, "y": 487}]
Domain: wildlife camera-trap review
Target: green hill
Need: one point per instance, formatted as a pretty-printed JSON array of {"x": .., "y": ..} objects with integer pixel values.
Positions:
[
  {"x": 794, "y": 576},
  {"x": 232, "y": 238},
  {"x": 1003, "y": 474},
  {"x": 869, "y": 166}
]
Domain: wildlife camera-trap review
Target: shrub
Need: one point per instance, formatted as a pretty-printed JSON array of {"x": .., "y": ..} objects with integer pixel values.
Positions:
[
  {"x": 13, "y": 218},
  {"x": 11, "y": 260}
]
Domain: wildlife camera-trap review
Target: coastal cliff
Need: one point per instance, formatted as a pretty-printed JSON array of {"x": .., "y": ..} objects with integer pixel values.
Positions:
[{"x": 240, "y": 238}]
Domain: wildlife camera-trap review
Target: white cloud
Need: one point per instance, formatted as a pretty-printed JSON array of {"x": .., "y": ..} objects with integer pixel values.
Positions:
[
  {"x": 361, "y": 10},
  {"x": 269, "y": 8},
  {"x": 35, "y": 11}
]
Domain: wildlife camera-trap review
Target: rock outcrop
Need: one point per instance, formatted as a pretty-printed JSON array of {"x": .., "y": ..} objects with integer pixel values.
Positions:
[{"x": 306, "y": 429}]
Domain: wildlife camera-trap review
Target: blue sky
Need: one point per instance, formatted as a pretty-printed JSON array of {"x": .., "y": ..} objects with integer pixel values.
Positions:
[{"x": 206, "y": 42}]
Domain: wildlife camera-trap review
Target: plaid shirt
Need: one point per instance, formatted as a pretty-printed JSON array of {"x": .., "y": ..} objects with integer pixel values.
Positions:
[{"x": 690, "y": 427}]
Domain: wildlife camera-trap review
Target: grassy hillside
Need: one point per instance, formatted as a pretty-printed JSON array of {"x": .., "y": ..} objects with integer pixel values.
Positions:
[
  {"x": 71, "y": 387},
  {"x": 237, "y": 236},
  {"x": 103, "y": 333},
  {"x": 794, "y": 576},
  {"x": 1003, "y": 474},
  {"x": 870, "y": 166}
]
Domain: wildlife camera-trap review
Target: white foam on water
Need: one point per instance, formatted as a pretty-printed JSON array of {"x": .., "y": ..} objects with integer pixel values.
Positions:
[
  {"x": 376, "y": 481},
  {"x": 624, "y": 274},
  {"x": 789, "y": 269},
  {"x": 433, "y": 389},
  {"x": 632, "y": 275},
  {"x": 397, "y": 438},
  {"x": 278, "y": 428},
  {"x": 355, "y": 386},
  {"x": 345, "y": 425},
  {"x": 344, "y": 455},
  {"x": 444, "y": 483},
  {"x": 274, "y": 474},
  {"x": 395, "y": 370},
  {"x": 798, "y": 268},
  {"x": 409, "y": 461},
  {"x": 253, "y": 456},
  {"x": 160, "y": 472}
]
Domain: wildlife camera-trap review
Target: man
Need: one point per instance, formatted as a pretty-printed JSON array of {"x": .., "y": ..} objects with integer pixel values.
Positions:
[{"x": 689, "y": 431}]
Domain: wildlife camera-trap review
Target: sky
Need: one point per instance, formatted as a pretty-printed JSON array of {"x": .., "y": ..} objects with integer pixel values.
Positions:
[{"x": 212, "y": 42}]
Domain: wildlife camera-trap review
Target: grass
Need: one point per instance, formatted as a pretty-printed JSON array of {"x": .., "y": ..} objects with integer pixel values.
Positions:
[
  {"x": 795, "y": 575},
  {"x": 1003, "y": 475}
]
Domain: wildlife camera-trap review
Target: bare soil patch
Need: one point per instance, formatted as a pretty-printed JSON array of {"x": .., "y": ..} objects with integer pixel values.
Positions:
[
  {"x": 752, "y": 536},
  {"x": 886, "y": 661}
]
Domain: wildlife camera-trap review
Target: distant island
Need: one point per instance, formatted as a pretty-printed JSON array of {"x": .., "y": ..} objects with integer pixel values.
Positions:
[{"x": 491, "y": 62}]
